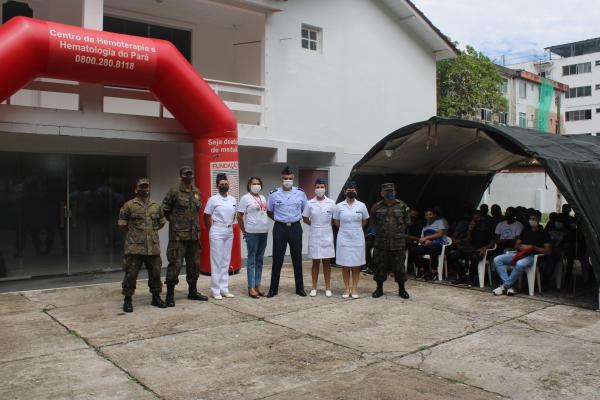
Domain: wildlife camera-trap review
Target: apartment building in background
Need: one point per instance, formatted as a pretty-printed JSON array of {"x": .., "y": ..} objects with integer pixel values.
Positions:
[
  {"x": 313, "y": 84},
  {"x": 577, "y": 65}
]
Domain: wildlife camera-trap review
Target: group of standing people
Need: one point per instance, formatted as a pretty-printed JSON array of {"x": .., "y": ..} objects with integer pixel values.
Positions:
[{"x": 141, "y": 218}]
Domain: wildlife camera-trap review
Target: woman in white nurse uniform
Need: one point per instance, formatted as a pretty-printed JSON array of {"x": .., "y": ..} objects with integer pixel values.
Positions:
[
  {"x": 219, "y": 215},
  {"x": 318, "y": 214},
  {"x": 350, "y": 216}
]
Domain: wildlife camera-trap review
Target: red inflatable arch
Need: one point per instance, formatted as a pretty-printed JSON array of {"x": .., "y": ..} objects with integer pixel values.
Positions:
[{"x": 31, "y": 48}]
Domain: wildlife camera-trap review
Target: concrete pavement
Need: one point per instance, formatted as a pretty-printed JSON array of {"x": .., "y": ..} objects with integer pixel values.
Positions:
[{"x": 443, "y": 343}]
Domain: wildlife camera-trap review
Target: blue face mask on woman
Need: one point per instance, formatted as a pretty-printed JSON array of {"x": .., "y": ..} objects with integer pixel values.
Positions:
[{"x": 389, "y": 195}]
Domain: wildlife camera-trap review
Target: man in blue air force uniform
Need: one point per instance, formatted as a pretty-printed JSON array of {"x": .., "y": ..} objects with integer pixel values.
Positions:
[{"x": 285, "y": 207}]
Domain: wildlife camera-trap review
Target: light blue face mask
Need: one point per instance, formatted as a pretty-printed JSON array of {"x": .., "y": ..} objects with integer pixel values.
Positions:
[{"x": 389, "y": 195}]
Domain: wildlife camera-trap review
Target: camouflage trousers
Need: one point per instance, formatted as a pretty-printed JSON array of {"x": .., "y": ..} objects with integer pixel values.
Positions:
[
  {"x": 177, "y": 251},
  {"x": 386, "y": 261},
  {"x": 132, "y": 264}
]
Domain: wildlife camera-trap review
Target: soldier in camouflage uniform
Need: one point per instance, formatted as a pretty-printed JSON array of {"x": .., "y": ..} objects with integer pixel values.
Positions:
[
  {"x": 140, "y": 219},
  {"x": 390, "y": 218},
  {"x": 181, "y": 207}
]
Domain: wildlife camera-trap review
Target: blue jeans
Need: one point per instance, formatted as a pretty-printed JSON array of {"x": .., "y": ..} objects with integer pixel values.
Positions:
[
  {"x": 255, "y": 244},
  {"x": 504, "y": 260}
]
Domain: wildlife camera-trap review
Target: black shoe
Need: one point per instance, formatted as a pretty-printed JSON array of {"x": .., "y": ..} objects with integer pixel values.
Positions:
[
  {"x": 459, "y": 281},
  {"x": 429, "y": 276},
  {"x": 379, "y": 291},
  {"x": 127, "y": 304},
  {"x": 272, "y": 293},
  {"x": 170, "y": 299},
  {"x": 402, "y": 291},
  {"x": 194, "y": 294},
  {"x": 157, "y": 301},
  {"x": 301, "y": 293}
]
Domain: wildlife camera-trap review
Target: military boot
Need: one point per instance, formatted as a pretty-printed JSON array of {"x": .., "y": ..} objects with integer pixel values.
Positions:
[
  {"x": 170, "y": 299},
  {"x": 194, "y": 294},
  {"x": 402, "y": 291},
  {"x": 379, "y": 291},
  {"x": 127, "y": 304},
  {"x": 157, "y": 301}
]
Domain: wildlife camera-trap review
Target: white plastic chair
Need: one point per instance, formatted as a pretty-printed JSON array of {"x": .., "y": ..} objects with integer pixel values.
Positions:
[
  {"x": 533, "y": 275},
  {"x": 442, "y": 267},
  {"x": 481, "y": 267}
]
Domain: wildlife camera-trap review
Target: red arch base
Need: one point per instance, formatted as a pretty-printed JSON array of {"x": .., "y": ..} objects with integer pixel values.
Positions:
[{"x": 31, "y": 48}]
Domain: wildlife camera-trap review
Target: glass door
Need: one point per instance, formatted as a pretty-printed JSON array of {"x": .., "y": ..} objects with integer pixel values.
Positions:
[
  {"x": 33, "y": 214},
  {"x": 58, "y": 213},
  {"x": 98, "y": 187}
]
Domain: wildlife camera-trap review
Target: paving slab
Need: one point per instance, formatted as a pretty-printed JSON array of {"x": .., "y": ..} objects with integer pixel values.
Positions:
[
  {"x": 73, "y": 375},
  {"x": 566, "y": 321},
  {"x": 518, "y": 362},
  {"x": 379, "y": 326},
  {"x": 385, "y": 381},
  {"x": 17, "y": 303},
  {"x": 33, "y": 334},
  {"x": 241, "y": 361},
  {"x": 105, "y": 323},
  {"x": 80, "y": 295},
  {"x": 469, "y": 303}
]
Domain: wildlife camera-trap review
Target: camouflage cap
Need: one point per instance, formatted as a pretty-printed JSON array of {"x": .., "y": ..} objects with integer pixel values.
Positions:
[
  {"x": 185, "y": 169},
  {"x": 143, "y": 181},
  {"x": 387, "y": 186}
]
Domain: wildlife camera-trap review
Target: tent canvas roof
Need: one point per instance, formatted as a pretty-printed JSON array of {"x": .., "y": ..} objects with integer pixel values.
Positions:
[{"x": 450, "y": 162}]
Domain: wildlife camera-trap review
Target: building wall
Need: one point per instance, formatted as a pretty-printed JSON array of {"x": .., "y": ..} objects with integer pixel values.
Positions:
[
  {"x": 554, "y": 71},
  {"x": 527, "y": 189},
  {"x": 371, "y": 77}
]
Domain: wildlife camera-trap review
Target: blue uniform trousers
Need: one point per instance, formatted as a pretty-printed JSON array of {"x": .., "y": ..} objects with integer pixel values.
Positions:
[{"x": 282, "y": 236}]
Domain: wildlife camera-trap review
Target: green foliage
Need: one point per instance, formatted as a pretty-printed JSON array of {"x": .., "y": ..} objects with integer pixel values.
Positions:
[{"x": 467, "y": 83}]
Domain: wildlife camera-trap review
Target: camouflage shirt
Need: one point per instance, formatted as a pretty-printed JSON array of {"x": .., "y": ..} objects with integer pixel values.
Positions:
[
  {"x": 390, "y": 223},
  {"x": 181, "y": 207},
  {"x": 143, "y": 220}
]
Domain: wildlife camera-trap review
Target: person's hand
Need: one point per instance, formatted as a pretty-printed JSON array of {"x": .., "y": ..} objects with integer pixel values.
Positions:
[
  {"x": 427, "y": 242},
  {"x": 482, "y": 251},
  {"x": 244, "y": 235},
  {"x": 422, "y": 240},
  {"x": 471, "y": 225}
]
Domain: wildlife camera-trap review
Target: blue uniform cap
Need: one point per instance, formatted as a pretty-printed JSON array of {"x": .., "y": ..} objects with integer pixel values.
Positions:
[{"x": 320, "y": 181}]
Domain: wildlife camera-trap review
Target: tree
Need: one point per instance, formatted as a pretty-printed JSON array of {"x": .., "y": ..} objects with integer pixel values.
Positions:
[{"x": 467, "y": 83}]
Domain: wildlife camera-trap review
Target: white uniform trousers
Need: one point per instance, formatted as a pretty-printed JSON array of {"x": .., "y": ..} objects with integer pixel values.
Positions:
[{"x": 221, "y": 240}]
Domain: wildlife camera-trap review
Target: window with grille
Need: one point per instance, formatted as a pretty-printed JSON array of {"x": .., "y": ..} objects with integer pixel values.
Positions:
[
  {"x": 575, "y": 69},
  {"x": 311, "y": 38},
  {"x": 578, "y": 115}
]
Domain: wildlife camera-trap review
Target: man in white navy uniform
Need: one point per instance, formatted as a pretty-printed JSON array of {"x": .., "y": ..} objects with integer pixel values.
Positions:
[{"x": 285, "y": 206}]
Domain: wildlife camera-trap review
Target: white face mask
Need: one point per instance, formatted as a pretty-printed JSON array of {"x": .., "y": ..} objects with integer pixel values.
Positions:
[
  {"x": 320, "y": 192},
  {"x": 255, "y": 188},
  {"x": 288, "y": 183}
]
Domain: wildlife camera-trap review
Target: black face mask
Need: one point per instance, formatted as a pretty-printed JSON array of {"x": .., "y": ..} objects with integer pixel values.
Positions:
[
  {"x": 223, "y": 189},
  {"x": 143, "y": 193},
  {"x": 187, "y": 179},
  {"x": 351, "y": 195}
]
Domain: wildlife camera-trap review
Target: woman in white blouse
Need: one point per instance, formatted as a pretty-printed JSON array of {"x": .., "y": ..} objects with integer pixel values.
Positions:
[
  {"x": 318, "y": 214},
  {"x": 350, "y": 216},
  {"x": 219, "y": 215},
  {"x": 254, "y": 224}
]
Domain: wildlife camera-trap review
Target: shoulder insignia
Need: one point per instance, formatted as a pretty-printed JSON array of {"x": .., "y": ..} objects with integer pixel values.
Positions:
[
  {"x": 300, "y": 189},
  {"x": 273, "y": 191}
]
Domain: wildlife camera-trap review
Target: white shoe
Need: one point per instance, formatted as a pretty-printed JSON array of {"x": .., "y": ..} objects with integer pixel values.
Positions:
[
  {"x": 345, "y": 295},
  {"x": 510, "y": 292},
  {"x": 499, "y": 291},
  {"x": 355, "y": 296},
  {"x": 313, "y": 293},
  {"x": 328, "y": 293},
  {"x": 229, "y": 295},
  {"x": 217, "y": 297}
]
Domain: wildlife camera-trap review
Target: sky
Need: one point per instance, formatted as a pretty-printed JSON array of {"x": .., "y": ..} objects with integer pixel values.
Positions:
[{"x": 517, "y": 28}]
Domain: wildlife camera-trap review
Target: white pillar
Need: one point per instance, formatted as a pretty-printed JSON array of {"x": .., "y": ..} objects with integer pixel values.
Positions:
[
  {"x": 92, "y": 17},
  {"x": 92, "y": 14}
]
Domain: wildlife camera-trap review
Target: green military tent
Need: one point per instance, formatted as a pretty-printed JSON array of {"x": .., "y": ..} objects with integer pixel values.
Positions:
[{"x": 451, "y": 162}]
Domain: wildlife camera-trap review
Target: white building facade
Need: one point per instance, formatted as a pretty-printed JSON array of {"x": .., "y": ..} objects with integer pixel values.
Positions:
[
  {"x": 577, "y": 65},
  {"x": 313, "y": 84}
]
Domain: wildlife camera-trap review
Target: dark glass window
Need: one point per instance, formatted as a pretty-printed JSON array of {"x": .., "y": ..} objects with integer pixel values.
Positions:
[
  {"x": 181, "y": 38},
  {"x": 12, "y": 9}
]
